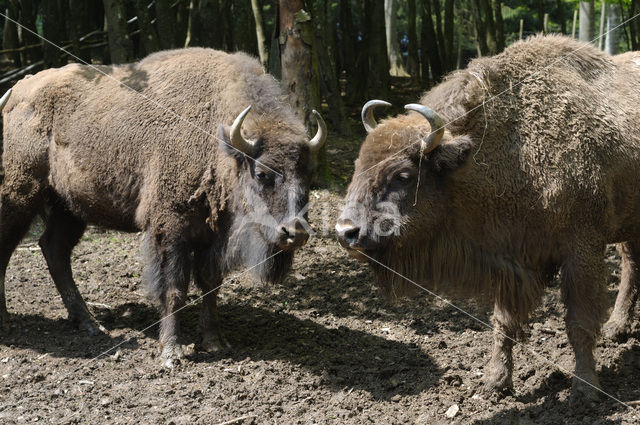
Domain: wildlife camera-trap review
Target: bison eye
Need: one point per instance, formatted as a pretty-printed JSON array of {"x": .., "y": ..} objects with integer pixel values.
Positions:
[
  {"x": 402, "y": 178},
  {"x": 263, "y": 178}
]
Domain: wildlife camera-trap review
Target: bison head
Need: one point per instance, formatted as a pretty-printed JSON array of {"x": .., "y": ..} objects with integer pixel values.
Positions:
[
  {"x": 274, "y": 164},
  {"x": 398, "y": 193}
]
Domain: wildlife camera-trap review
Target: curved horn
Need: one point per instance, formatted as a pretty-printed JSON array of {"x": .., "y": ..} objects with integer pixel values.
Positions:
[
  {"x": 237, "y": 141},
  {"x": 435, "y": 121},
  {"x": 4, "y": 99},
  {"x": 321, "y": 135},
  {"x": 368, "y": 120}
]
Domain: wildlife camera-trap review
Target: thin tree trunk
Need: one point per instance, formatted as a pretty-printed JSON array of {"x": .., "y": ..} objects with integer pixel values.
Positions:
[
  {"x": 378, "y": 84},
  {"x": 256, "y": 6},
  {"x": 10, "y": 34},
  {"x": 497, "y": 10},
  {"x": 634, "y": 31},
  {"x": 209, "y": 18},
  {"x": 120, "y": 44},
  {"x": 587, "y": 21},
  {"x": 561, "y": 17},
  {"x": 165, "y": 24},
  {"x": 191, "y": 36},
  {"x": 349, "y": 42},
  {"x": 413, "y": 62},
  {"x": 573, "y": 27},
  {"x": 448, "y": 33},
  {"x": 603, "y": 14},
  {"x": 490, "y": 27},
  {"x": 429, "y": 47},
  {"x": 391, "y": 19},
  {"x": 480, "y": 29},
  {"x": 148, "y": 35},
  {"x": 440, "y": 34},
  {"x": 52, "y": 30},
  {"x": 28, "y": 15},
  {"x": 613, "y": 33}
]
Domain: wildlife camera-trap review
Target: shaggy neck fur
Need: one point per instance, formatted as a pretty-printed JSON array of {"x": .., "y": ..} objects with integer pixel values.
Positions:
[{"x": 454, "y": 266}]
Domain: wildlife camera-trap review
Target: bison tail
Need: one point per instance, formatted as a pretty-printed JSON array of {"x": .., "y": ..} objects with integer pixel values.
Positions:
[{"x": 4, "y": 99}]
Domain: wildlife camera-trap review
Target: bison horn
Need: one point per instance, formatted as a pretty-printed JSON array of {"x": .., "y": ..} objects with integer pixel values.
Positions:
[
  {"x": 321, "y": 135},
  {"x": 368, "y": 120},
  {"x": 5, "y": 99},
  {"x": 237, "y": 141},
  {"x": 436, "y": 122}
]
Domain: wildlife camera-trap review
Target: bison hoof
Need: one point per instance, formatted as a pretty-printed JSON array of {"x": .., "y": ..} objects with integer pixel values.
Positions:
[
  {"x": 171, "y": 355},
  {"x": 498, "y": 383},
  {"x": 90, "y": 325},
  {"x": 212, "y": 344},
  {"x": 584, "y": 394},
  {"x": 615, "y": 330}
]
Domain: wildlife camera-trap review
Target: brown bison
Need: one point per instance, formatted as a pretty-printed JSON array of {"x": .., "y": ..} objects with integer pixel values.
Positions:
[
  {"x": 535, "y": 171},
  {"x": 81, "y": 148}
]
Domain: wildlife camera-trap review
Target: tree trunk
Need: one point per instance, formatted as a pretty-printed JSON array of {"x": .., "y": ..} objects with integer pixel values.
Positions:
[
  {"x": 413, "y": 62},
  {"x": 490, "y": 27},
  {"x": 10, "y": 34},
  {"x": 390, "y": 19},
  {"x": 603, "y": 14},
  {"x": 448, "y": 34},
  {"x": 587, "y": 22},
  {"x": 148, "y": 35},
  {"x": 165, "y": 24},
  {"x": 439, "y": 33},
  {"x": 349, "y": 40},
  {"x": 120, "y": 45},
  {"x": 613, "y": 33},
  {"x": 540, "y": 7},
  {"x": 500, "y": 41},
  {"x": 28, "y": 15},
  {"x": 256, "y": 6},
  {"x": 296, "y": 58},
  {"x": 52, "y": 30},
  {"x": 191, "y": 38},
  {"x": 561, "y": 17},
  {"x": 210, "y": 27},
  {"x": 429, "y": 47},
  {"x": 378, "y": 58},
  {"x": 479, "y": 27},
  {"x": 634, "y": 26}
]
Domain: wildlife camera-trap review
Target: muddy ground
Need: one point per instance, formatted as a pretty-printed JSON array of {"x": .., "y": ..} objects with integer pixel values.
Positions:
[{"x": 321, "y": 348}]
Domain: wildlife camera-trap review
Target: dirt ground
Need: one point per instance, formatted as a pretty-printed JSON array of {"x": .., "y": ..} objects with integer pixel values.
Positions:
[{"x": 323, "y": 347}]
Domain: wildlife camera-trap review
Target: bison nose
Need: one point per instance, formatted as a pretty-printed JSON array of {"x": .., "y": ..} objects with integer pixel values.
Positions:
[
  {"x": 348, "y": 234},
  {"x": 292, "y": 235}
]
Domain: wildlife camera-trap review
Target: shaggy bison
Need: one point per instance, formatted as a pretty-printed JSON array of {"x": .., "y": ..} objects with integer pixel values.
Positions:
[
  {"x": 524, "y": 180},
  {"x": 80, "y": 148}
]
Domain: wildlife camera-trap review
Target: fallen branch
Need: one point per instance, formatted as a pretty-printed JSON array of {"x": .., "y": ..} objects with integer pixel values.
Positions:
[{"x": 236, "y": 420}]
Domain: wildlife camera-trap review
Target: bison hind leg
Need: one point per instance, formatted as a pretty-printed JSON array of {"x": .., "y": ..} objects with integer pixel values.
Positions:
[
  {"x": 62, "y": 232},
  {"x": 619, "y": 323},
  {"x": 583, "y": 285}
]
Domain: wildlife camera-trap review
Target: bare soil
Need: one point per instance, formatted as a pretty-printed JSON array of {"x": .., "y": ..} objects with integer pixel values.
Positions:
[{"x": 323, "y": 347}]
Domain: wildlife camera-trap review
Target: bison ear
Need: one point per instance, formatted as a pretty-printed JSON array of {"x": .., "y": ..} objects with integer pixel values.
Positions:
[
  {"x": 451, "y": 154},
  {"x": 227, "y": 147}
]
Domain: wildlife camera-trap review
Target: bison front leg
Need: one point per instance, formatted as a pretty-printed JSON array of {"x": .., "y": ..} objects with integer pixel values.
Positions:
[
  {"x": 583, "y": 279},
  {"x": 619, "y": 324},
  {"x": 167, "y": 273},
  {"x": 500, "y": 368},
  {"x": 208, "y": 278}
]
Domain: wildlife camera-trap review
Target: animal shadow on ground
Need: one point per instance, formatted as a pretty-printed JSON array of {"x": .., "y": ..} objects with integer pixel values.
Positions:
[
  {"x": 57, "y": 337},
  {"x": 618, "y": 381}
]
